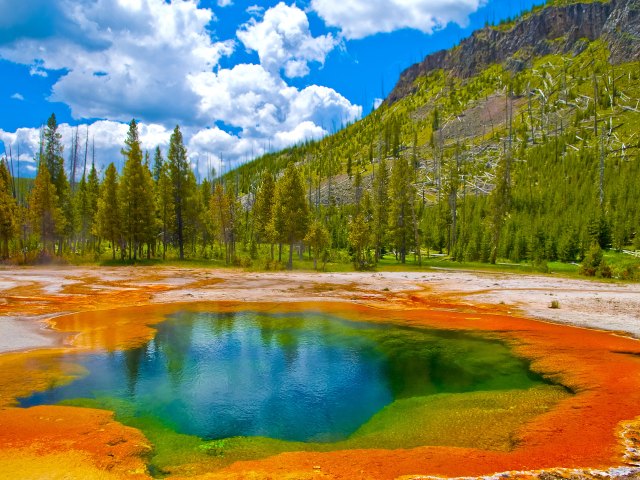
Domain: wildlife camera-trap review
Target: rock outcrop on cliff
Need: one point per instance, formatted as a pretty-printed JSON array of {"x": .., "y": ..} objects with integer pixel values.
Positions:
[{"x": 554, "y": 29}]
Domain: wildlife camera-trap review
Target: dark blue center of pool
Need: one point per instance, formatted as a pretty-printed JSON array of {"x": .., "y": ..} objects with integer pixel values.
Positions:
[{"x": 296, "y": 376}]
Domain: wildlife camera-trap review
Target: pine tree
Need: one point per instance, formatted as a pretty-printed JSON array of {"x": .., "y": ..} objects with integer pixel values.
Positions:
[
  {"x": 381, "y": 207},
  {"x": 8, "y": 211},
  {"x": 291, "y": 211},
  {"x": 82, "y": 211},
  {"x": 263, "y": 209},
  {"x": 136, "y": 195},
  {"x": 451, "y": 188},
  {"x": 158, "y": 161},
  {"x": 402, "y": 193},
  {"x": 183, "y": 188},
  {"x": 223, "y": 218},
  {"x": 54, "y": 160},
  {"x": 86, "y": 200},
  {"x": 357, "y": 186},
  {"x": 46, "y": 216},
  {"x": 319, "y": 240},
  {"x": 109, "y": 213},
  {"x": 359, "y": 239},
  {"x": 500, "y": 204},
  {"x": 192, "y": 212},
  {"x": 67, "y": 205},
  {"x": 52, "y": 151},
  {"x": 164, "y": 203},
  {"x": 206, "y": 190},
  {"x": 93, "y": 194},
  {"x": 150, "y": 226}
]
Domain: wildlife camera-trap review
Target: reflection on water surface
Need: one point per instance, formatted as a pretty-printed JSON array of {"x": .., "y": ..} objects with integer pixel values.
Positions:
[{"x": 297, "y": 376}]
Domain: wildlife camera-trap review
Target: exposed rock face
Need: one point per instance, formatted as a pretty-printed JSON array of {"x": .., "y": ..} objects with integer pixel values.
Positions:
[
  {"x": 551, "y": 30},
  {"x": 622, "y": 30}
]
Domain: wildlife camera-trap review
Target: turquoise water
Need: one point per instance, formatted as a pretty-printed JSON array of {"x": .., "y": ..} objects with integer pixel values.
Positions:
[{"x": 293, "y": 376}]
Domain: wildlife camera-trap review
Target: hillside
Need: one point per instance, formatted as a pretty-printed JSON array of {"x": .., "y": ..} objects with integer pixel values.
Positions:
[{"x": 522, "y": 140}]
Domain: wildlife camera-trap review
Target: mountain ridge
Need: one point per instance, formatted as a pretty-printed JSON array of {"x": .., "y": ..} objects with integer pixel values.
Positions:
[{"x": 551, "y": 30}]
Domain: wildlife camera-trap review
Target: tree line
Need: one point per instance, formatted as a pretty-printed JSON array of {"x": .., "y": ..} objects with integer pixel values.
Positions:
[{"x": 153, "y": 206}]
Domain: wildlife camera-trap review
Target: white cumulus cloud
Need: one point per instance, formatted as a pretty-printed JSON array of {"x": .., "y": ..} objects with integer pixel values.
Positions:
[
  {"x": 360, "y": 18},
  {"x": 267, "y": 119},
  {"x": 158, "y": 61},
  {"x": 255, "y": 10},
  {"x": 263, "y": 105},
  {"x": 122, "y": 59},
  {"x": 17, "y": 96},
  {"x": 283, "y": 40}
]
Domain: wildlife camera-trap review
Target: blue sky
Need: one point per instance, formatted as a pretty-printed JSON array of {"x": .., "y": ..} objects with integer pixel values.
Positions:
[{"x": 240, "y": 77}]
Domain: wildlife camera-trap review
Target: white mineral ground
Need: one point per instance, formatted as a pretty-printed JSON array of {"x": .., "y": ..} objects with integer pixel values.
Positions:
[
  {"x": 599, "y": 305},
  {"x": 19, "y": 333}
]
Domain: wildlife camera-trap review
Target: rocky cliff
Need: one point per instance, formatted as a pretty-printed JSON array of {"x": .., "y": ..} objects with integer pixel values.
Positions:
[{"x": 554, "y": 29}]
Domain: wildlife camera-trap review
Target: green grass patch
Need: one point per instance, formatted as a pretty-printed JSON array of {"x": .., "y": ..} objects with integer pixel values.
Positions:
[
  {"x": 485, "y": 419},
  {"x": 389, "y": 263},
  {"x": 625, "y": 267}
]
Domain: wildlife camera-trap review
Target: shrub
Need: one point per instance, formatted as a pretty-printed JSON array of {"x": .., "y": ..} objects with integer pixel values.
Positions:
[
  {"x": 592, "y": 261},
  {"x": 629, "y": 272},
  {"x": 604, "y": 270},
  {"x": 540, "y": 265}
]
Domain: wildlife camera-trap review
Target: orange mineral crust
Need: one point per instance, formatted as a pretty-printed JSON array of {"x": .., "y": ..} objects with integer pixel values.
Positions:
[
  {"x": 583, "y": 431},
  {"x": 63, "y": 442}
]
